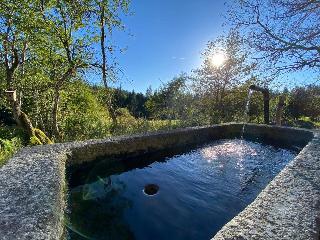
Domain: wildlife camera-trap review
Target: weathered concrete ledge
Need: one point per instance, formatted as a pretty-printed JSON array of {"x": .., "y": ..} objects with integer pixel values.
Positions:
[
  {"x": 33, "y": 183},
  {"x": 288, "y": 208}
]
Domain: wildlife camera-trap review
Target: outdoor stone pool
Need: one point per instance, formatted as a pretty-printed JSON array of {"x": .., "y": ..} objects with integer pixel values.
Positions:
[
  {"x": 199, "y": 191},
  {"x": 194, "y": 183}
]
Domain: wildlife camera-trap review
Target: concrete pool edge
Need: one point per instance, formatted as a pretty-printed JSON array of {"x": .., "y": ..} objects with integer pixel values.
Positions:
[
  {"x": 32, "y": 190},
  {"x": 289, "y": 206}
]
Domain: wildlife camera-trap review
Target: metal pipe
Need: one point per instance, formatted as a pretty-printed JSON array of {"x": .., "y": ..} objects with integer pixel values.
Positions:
[{"x": 266, "y": 101}]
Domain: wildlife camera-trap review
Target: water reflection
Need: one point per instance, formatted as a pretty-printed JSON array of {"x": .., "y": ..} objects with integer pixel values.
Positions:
[
  {"x": 200, "y": 191},
  {"x": 96, "y": 211}
]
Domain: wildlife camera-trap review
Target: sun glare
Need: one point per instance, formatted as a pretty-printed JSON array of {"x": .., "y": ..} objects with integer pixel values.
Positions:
[{"x": 217, "y": 59}]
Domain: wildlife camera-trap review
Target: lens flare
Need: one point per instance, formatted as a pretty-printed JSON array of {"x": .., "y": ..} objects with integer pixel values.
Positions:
[{"x": 217, "y": 59}]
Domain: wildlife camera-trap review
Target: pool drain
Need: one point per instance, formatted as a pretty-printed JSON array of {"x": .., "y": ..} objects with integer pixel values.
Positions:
[{"x": 151, "y": 189}]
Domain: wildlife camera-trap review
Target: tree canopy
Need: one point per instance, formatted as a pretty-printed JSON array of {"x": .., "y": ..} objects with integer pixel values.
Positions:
[
  {"x": 48, "y": 44},
  {"x": 286, "y": 34},
  {"x": 49, "y": 47}
]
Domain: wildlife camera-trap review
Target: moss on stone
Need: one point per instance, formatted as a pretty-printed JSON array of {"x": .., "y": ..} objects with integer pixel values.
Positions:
[
  {"x": 42, "y": 136},
  {"x": 39, "y": 138},
  {"x": 35, "y": 141}
]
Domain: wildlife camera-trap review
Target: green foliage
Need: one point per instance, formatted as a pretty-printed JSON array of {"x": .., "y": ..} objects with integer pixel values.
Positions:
[
  {"x": 221, "y": 91},
  {"x": 34, "y": 141},
  {"x": 42, "y": 136},
  {"x": 134, "y": 102},
  {"x": 304, "y": 101},
  {"x": 119, "y": 98},
  {"x": 304, "y": 122},
  {"x": 127, "y": 124},
  {"x": 82, "y": 115},
  {"x": 170, "y": 101},
  {"x": 11, "y": 140},
  {"x": 54, "y": 45},
  {"x": 46, "y": 46},
  {"x": 8, "y": 148},
  {"x": 9, "y": 132}
]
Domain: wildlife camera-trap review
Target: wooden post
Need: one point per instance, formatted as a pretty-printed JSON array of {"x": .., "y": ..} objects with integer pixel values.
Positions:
[
  {"x": 279, "y": 111},
  {"x": 11, "y": 95}
]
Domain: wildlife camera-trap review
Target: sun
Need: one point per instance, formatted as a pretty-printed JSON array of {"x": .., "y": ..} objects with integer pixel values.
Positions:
[{"x": 217, "y": 59}]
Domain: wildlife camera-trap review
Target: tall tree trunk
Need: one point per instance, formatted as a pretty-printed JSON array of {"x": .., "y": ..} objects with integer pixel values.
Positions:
[
  {"x": 55, "y": 127},
  {"x": 56, "y": 99},
  {"x": 9, "y": 79},
  {"x": 109, "y": 104},
  {"x": 110, "y": 108},
  {"x": 20, "y": 117},
  {"x": 11, "y": 64},
  {"x": 103, "y": 47},
  {"x": 36, "y": 136}
]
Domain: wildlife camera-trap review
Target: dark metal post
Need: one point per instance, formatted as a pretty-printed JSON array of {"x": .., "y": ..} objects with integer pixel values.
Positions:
[{"x": 266, "y": 101}]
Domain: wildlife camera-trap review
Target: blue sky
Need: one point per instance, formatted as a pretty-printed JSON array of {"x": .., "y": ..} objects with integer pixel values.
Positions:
[
  {"x": 168, "y": 37},
  {"x": 165, "y": 38}
]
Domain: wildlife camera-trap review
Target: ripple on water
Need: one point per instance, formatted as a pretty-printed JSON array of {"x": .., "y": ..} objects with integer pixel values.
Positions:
[{"x": 200, "y": 191}]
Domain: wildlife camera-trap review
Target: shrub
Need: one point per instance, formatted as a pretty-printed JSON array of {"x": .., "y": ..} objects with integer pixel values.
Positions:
[
  {"x": 305, "y": 122},
  {"x": 128, "y": 124},
  {"x": 11, "y": 140},
  {"x": 8, "y": 148},
  {"x": 82, "y": 115}
]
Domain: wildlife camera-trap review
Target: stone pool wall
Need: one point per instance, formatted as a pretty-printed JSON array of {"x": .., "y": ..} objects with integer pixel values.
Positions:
[
  {"x": 288, "y": 208},
  {"x": 33, "y": 183}
]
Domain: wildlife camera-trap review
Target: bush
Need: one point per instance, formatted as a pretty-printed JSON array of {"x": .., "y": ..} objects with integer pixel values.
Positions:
[
  {"x": 302, "y": 122},
  {"x": 8, "y": 132},
  {"x": 128, "y": 124},
  {"x": 82, "y": 116},
  {"x": 305, "y": 122},
  {"x": 11, "y": 140},
  {"x": 8, "y": 148}
]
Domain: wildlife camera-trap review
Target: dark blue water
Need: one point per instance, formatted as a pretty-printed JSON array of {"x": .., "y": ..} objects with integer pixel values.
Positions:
[{"x": 199, "y": 192}]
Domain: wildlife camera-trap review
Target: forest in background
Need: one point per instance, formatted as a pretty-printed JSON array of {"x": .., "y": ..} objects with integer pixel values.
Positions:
[{"x": 48, "y": 47}]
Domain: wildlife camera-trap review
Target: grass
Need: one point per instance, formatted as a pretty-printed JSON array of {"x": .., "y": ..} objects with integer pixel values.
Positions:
[
  {"x": 140, "y": 125},
  {"x": 11, "y": 140},
  {"x": 8, "y": 148}
]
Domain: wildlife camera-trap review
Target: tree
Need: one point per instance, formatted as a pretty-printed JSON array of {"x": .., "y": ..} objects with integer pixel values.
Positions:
[
  {"x": 82, "y": 115},
  {"x": 67, "y": 52},
  {"x": 169, "y": 102},
  {"x": 212, "y": 84},
  {"x": 17, "y": 25},
  {"x": 108, "y": 18},
  {"x": 285, "y": 33},
  {"x": 304, "y": 101},
  {"x": 47, "y": 45}
]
